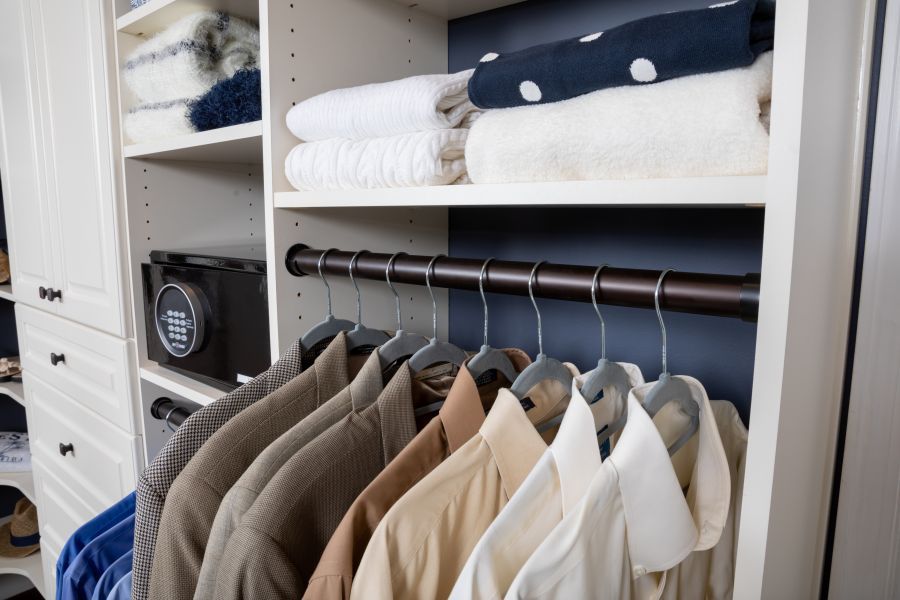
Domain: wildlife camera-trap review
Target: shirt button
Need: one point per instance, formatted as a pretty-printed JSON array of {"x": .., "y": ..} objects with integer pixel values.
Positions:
[{"x": 640, "y": 571}]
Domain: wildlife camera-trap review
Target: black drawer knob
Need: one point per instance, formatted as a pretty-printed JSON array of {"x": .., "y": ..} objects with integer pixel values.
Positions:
[
  {"x": 42, "y": 292},
  {"x": 54, "y": 295},
  {"x": 55, "y": 359},
  {"x": 66, "y": 448}
]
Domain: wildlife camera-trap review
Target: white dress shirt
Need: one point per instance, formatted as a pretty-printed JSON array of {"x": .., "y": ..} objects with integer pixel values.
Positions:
[
  {"x": 550, "y": 491},
  {"x": 635, "y": 523}
]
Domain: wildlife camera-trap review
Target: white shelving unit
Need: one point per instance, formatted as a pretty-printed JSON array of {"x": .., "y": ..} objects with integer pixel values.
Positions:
[
  {"x": 6, "y": 292},
  {"x": 155, "y": 15},
  {"x": 695, "y": 191},
  {"x": 14, "y": 390},
  {"x": 29, "y": 566},
  {"x": 238, "y": 144},
  {"x": 228, "y": 186}
]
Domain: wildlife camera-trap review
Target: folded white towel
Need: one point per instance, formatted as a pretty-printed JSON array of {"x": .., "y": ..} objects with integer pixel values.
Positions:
[
  {"x": 148, "y": 122},
  {"x": 701, "y": 125},
  {"x": 383, "y": 109},
  {"x": 188, "y": 57},
  {"x": 409, "y": 160}
]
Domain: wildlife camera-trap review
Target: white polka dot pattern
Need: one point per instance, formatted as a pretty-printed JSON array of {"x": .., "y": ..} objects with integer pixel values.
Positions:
[
  {"x": 530, "y": 91},
  {"x": 489, "y": 57},
  {"x": 643, "y": 70},
  {"x": 591, "y": 38}
]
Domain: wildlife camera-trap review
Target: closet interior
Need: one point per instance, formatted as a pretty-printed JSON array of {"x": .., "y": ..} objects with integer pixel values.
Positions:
[{"x": 733, "y": 260}]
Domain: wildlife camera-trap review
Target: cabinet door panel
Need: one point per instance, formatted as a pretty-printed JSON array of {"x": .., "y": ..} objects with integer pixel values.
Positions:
[
  {"x": 21, "y": 158},
  {"x": 78, "y": 137}
]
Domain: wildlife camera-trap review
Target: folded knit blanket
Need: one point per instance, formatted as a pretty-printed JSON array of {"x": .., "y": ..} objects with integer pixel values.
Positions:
[
  {"x": 187, "y": 58},
  {"x": 724, "y": 36},
  {"x": 712, "y": 124},
  {"x": 159, "y": 120},
  {"x": 232, "y": 101},
  {"x": 408, "y": 160},
  {"x": 383, "y": 109}
]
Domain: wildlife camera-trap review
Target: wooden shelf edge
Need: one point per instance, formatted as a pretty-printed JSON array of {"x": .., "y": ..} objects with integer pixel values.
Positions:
[
  {"x": 14, "y": 390},
  {"x": 686, "y": 192},
  {"x": 29, "y": 567},
  {"x": 183, "y": 147},
  {"x": 180, "y": 385},
  {"x": 24, "y": 482},
  {"x": 156, "y": 15},
  {"x": 6, "y": 292}
]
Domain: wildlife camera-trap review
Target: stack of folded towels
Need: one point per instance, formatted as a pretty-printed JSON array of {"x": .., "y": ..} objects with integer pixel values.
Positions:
[
  {"x": 403, "y": 133},
  {"x": 674, "y": 95},
  {"x": 199, "y": 73}
]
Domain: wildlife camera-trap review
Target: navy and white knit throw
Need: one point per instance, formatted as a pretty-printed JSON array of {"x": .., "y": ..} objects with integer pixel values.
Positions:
[{"x": 724, "y": 36}]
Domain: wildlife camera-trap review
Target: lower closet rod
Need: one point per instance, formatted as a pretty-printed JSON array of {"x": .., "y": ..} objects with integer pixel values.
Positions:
[{"x": 734, "y": 296}]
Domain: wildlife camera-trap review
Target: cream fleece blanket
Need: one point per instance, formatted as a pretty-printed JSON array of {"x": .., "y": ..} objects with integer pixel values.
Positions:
[
  {"x": 419, "y": 103},
  {"x": 701, "y": 125},
  {"x": 408, "y": 160},
  {"x": 148, "y": 122},
  {"x": 188, "y": 57}
]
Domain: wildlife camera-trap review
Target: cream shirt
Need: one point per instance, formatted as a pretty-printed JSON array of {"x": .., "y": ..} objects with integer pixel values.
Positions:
[
  {"x": 552, "y": 489},
  {"x": 422, "y": 543},
  {"x": 635, "y": 523}
]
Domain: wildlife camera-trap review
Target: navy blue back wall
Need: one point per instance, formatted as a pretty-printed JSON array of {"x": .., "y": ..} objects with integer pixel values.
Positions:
[{"x": 718, "y": 351}]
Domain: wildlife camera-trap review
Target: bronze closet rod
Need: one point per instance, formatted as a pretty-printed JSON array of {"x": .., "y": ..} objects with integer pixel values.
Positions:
[{"x": 735, "y": 296}]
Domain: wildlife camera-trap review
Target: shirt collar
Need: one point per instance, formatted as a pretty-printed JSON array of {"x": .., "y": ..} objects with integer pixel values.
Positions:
[
  {"x": 613, "y": 405},
  {"x": 663, "y": 526},
  {"x": 463, "y": 412},
  {"x": 367, "y": 385},
  {"x": 513, "y": 440},
  {"x": 575, "y": 450},
  {"x": 332, "y": 368}
]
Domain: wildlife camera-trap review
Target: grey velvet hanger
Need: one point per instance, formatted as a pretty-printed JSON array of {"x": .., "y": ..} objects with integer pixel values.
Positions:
[
  {"x": 330, "y": 327},
  {"x": 489, "y": 359},
  {"x": 361, "y": 336},
  {"x": 668, "y": 388},
  {"x": 435, "y": 351},
  {"x": 608, "y": 374},
  {"x": 543, "y": 368},
  {"x": 404, "y": 344}
]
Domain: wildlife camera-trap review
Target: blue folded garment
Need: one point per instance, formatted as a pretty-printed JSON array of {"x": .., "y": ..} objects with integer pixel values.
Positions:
[
  {"x": 232, "y": 101},
  {"x": 724, "y": 36}
]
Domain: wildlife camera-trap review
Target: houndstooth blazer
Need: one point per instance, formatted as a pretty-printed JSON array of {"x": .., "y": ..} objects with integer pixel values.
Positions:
[{"x": 154, "y": 482}]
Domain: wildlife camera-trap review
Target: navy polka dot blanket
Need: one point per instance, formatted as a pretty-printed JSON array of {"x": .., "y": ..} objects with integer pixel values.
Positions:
[{"x": 724, "y": 36}]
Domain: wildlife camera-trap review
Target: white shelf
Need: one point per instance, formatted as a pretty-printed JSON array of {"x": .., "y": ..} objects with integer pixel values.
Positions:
[
  {"x": 156, "y": 15},
  {"x": 6, "y": 292},
  {"x": 182, "y": 386},
  {"x": 693, "y": 191},
  {"x": 23, "y": 482},
  {"x": 14, "y": 390},
  {"x": 453, "y": 9},
  {"x": 30, "y": 567},
  {"x": 236, "y": 144}
]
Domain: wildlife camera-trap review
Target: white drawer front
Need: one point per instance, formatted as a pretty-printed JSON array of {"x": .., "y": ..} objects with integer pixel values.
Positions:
[
  {"x": 103, "y": 462},
  {"x": 95, "y": 369},
  {"x": 49, "y": 556},
  {"x": 60, "y": 511}
]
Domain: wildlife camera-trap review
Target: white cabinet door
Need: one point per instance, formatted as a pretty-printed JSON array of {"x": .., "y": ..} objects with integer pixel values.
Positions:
[
  {"x": 21, "y": 158},
  {"x": 76, "y": 108}
]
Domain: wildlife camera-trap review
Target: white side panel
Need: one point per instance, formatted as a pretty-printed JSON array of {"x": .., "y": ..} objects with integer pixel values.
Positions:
[
  {"x": 21, "y": 158},
  {"x": 78, "y": 138},
  {"x": 812, "y": 206},
  {"x": 866, "y": 561}
]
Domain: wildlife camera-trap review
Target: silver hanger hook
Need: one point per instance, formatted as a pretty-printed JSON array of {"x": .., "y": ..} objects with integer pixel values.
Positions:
[
  {"x": 387, "y": 277},
  {"x": 481, "y": 279},
  {"x": 353, "y": 261},
  {"x": 662, "y": 325},
  {"x": 431, "y": 293},
  {"x": 537, "y": 311},
  {"x": 319, "y": 266},
  {"x": 594, "y": 285}
]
